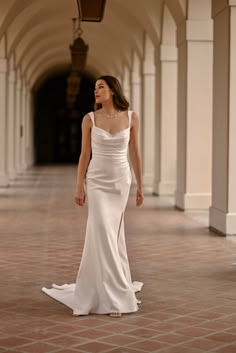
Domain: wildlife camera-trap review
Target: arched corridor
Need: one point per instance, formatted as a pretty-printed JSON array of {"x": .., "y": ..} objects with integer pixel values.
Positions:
[
  {"x": 188, "y": 300},
  {"x": 175, "y": 61}
]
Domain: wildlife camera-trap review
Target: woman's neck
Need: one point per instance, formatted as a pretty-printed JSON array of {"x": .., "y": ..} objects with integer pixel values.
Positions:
[{"x": 108, "y": 107}]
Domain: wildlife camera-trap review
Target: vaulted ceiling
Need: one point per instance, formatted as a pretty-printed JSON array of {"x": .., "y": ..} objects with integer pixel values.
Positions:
[{"x": 38, "y": 33}]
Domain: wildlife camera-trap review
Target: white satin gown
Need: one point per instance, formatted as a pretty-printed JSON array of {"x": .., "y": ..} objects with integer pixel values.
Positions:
[{"x": 103, "y": 283}]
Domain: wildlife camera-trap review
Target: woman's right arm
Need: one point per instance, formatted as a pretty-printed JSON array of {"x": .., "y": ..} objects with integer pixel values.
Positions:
[{"x": 83, "y": 160}]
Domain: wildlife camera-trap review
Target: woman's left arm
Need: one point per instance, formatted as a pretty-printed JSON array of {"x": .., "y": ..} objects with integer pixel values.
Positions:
[{"x": 135, "y": 158}]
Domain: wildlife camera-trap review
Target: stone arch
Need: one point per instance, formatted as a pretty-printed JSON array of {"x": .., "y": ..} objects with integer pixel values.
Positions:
[
  {"x": 21, "y": 20},
  {"x": 168, "y": 28},
  {"x": 178, "y": 10},
  {"x": 46, "y": 65},
  {"x": 35, "y": 41}
]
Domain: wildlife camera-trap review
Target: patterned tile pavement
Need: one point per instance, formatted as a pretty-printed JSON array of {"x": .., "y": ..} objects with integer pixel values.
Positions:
[{"x": 189, "y": 296}]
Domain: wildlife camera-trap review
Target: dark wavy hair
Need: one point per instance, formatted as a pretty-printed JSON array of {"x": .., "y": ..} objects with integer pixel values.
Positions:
[{"x": 119, "y": 100}]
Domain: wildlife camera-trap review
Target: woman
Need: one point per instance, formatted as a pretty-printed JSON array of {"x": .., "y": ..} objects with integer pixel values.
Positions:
[{"x": 103, "y": 284}]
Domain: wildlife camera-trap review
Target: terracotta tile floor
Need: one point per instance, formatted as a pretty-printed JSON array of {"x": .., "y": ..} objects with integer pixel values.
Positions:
[{"x": 189, "y": 296}]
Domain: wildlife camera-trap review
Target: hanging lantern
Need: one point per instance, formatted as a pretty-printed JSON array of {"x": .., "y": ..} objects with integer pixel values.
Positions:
[
  {"x": 91, "y": 10},
  {"x": 73, "y": 87},
  {"x": 73, "y": 84},
  {"x": 79, "y": 48},
  {"x": 78, "y": 52}
]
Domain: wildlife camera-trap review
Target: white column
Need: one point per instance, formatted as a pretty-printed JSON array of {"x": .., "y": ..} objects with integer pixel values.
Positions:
[
  {"x": 29, "y": 130},
  {"x": 31, "y": 153},
  {"x": 3, "y": 116},
  {"x": 11, "y": 148},
  {"x": 223, "y": 209},
  {"x": 23, "y": 126},
  {"x": 194, "y": 131},
  {"x": 18, "y": 123},
  {"x": 136, "y": 93},
  {"x": 27, "y": 127},
  {"x": 165, "y": 176},
  {"x": 148, "y": 113}
]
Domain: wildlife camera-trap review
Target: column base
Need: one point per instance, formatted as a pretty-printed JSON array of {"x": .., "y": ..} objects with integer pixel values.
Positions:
[
  {"x": 21, "y": 168},
  {"x": 18, "y": 169},
  {"x": 164, "y": 188},
  {"x": 12, "y": 174},
  {"x": 30, "y": 160},
  {"x": 189, "y": 201},
  {"x": 221, "y": 222},
  {"x": 4, "y": 182},
  {"x": 148, "y": 181},
  {"x": 24, "y": 167}
]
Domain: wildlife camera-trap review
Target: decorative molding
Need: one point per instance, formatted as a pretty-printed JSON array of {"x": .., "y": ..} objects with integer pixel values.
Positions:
[
  {"x": 4, "y": 181},
  {"x": 201, "y": 30},
  {"x": 223, "y": 222},
  {"x": 189, "y": 201},
  {"x": 168, "y": 53},
  {"x": 164, "y": 188}
]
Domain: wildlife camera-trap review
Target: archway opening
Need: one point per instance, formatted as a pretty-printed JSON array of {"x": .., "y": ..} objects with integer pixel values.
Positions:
[{"x": 57, "y": 125}]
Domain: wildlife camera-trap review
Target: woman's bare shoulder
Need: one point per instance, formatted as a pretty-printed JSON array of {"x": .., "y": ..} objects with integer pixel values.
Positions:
[
  {"x": 87, "y": 120},
  {"x": 134, "y": 115},
  {"x": 134, "y": 118}
]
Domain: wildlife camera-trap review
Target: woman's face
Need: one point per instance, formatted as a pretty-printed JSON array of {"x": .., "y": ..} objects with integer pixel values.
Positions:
[{"x": 102, "y": 92}]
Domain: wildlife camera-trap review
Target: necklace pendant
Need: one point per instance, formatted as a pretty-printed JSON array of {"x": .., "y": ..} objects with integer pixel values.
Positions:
[{"x": 112, "y": 115}]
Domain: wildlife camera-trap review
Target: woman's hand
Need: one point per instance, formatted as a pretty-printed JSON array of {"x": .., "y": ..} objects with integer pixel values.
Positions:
[
  {"x": 139, "y": 197},
  {"x": 80, "y": 196}
]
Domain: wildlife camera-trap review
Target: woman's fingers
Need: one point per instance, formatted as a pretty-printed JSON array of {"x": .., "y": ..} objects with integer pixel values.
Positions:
[
  {"x": 138, "y": 203},
  {"x": 80, "y": 200},
  {"x": 139, "y": 199}
]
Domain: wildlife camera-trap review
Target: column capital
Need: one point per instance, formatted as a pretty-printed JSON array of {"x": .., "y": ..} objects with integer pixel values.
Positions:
[
  {"x": 23, "y": 87},
  {"x": 168, "y": 53},
  {"x": 195, "y": 30},
  {"x": 3, "y": 65},
  {"x": 18, "y": 82},
  {"x": 12, "y": 76},
  {"x": 135, "y": 77},
  {"x": 149, "y": 66},
  {"x": 148, "y": 69},
  {"x": 18, "y": 85}
]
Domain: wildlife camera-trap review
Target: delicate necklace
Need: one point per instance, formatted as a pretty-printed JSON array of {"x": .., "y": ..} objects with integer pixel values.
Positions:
[{"x": 112, "y": 115}]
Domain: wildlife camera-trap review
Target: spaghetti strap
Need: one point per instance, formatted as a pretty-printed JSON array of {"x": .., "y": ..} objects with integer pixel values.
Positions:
[
  {"x": 91, "y": 114},
  {"x": 130, "y": 116}
]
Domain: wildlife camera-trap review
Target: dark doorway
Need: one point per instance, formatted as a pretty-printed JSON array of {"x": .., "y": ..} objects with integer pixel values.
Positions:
[{"x": 57, "y": 126}]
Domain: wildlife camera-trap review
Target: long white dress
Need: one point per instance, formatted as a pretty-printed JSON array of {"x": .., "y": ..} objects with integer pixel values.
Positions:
[{"x": 103, "y": 283}]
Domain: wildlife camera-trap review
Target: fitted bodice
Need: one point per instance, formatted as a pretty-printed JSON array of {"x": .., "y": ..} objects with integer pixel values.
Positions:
[{"x": 110, "y": 146}]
